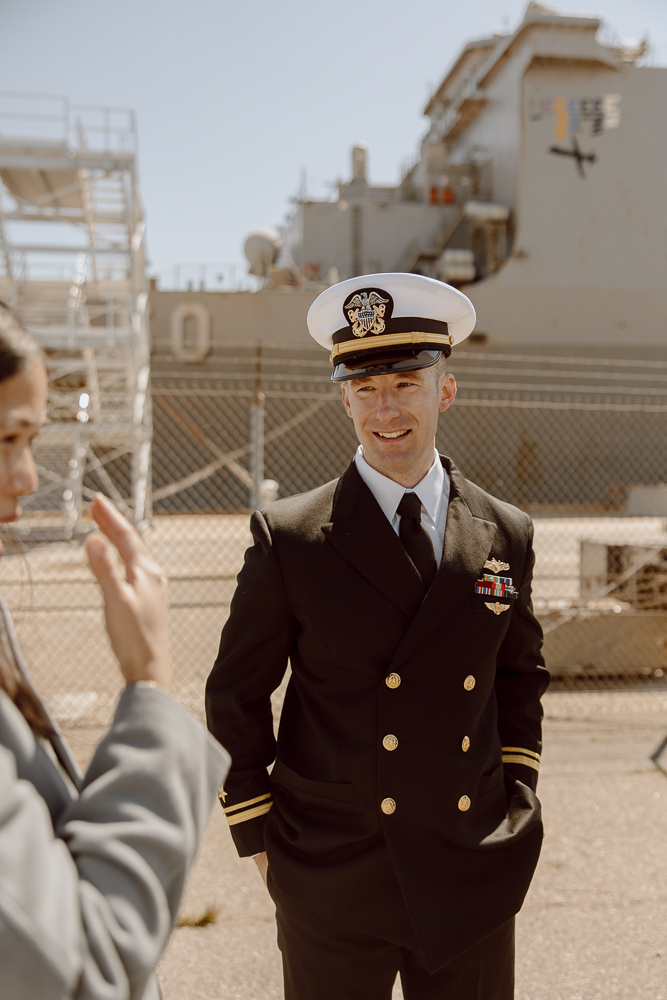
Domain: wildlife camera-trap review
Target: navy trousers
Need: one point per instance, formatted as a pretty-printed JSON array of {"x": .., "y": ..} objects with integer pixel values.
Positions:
[{"x": 325, "y": 961}]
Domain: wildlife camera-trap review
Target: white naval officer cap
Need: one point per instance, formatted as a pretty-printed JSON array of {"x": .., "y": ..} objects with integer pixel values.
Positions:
[{"x": 391, "y": 322}]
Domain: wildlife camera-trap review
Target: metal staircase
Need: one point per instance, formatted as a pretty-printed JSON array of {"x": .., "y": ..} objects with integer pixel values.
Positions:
[{"x": 72, "y": 267}]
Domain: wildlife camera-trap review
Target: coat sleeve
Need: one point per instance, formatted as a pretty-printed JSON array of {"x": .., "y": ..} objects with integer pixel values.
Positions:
[
  {"x": 86, "y": 908},
  {"x": 252, "y": 660},
  {"x": 521, "y": 680}
]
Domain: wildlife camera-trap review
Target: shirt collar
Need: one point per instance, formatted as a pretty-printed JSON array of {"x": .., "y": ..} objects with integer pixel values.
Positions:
[{"x": 389, "y": 493}]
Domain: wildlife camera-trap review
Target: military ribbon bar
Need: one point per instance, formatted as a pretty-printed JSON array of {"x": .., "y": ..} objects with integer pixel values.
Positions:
[{"x": 495, "y": 586}]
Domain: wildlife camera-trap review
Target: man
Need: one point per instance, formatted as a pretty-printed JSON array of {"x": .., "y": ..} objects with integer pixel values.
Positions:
[{"x": 398, "y": 829}]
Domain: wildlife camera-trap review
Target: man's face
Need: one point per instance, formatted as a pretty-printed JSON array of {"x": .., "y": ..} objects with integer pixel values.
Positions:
[{"x": 395, "y": 417}]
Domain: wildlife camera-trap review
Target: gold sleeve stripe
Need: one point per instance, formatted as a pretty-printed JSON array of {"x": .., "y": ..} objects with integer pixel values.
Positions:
[
  {"x": 248, "y": 802},
  {"x": 249, "y": 814},
  {"x": 528, "y": 753},
  {"x": 510, "y": 758}
]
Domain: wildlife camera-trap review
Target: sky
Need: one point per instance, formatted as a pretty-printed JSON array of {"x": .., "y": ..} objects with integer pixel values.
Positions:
[{"x": 237, "y": 101}]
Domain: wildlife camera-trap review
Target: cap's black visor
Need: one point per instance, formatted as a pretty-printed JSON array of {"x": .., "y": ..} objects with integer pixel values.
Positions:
[{"x": 361, "y": 366}]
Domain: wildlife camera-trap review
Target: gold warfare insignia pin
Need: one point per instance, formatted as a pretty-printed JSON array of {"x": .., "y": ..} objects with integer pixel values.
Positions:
[
  {"x": 365, "y": 310},
  {"x": 496, "y": 566},
  {"x": 496, "y": 608}
]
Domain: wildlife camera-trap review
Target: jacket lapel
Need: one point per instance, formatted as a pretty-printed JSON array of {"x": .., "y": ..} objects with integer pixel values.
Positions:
[
  {"x": 362, "y": 534},
  {"x": 468, "y": 542}
]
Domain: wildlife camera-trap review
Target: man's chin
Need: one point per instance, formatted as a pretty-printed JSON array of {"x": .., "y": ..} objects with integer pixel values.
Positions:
[{"x": 389, "y": 463}]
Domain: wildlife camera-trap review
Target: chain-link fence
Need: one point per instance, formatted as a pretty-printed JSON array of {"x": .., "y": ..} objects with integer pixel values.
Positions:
[{"x": 579, "y": 443}]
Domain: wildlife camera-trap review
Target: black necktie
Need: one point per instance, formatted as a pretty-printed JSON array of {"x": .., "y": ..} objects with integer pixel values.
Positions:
[{"x": 415, "y": 537}]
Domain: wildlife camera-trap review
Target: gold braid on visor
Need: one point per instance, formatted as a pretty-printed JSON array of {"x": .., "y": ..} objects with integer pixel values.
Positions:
[{"x": 390, "y": 340}]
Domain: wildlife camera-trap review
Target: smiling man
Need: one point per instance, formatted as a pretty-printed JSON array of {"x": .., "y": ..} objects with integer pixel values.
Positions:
[
  {"x": 398, "y": 828},
  {"x": 395, "y": 418}
]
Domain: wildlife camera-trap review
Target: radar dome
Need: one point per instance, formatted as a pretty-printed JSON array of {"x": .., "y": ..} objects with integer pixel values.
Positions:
[{"x": 261, "y": 250}]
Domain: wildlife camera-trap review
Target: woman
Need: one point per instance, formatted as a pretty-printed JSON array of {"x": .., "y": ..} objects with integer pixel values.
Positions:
[{"x": 92, "y": 866}]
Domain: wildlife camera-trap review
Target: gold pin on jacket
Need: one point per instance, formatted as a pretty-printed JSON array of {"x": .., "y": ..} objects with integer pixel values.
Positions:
[
  {"x": 496, "y": 608},
  {"x": 496, "y": 566}
]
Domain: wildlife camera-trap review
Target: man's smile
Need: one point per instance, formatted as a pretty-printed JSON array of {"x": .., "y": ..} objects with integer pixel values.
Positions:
[{"x": 391, "y": 434}]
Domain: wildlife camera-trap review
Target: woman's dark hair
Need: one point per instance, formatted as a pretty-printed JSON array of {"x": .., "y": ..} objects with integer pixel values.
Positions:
[
  {"x": 17, "y": 348},
  {"x": 18, "y": 351},
  {"x": 25, "y": 699}
]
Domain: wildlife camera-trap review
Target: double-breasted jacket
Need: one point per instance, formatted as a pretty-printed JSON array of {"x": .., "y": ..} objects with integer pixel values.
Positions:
[{"x": 410, "y": 734}]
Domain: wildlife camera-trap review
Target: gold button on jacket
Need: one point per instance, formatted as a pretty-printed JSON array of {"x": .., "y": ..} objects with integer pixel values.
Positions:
[
  {"x": 388, "y": 806},
  {"x": 469, "y": 682},
  {"x": 390, "y": 742},
  {"x": 393, "y": 680},
  {"x": 465, "y": 743},
  {"x": 464, "y": 803}
]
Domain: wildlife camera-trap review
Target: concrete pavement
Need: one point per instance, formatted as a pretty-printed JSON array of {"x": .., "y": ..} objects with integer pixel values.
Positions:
[{"x": 594, "y": 926}]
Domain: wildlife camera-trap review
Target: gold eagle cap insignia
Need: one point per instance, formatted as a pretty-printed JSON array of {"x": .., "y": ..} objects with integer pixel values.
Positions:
[
  {"x": 365, "y": 312},
  {"x": 495, "y": 565},
  {"x": 496, "y": 608}
]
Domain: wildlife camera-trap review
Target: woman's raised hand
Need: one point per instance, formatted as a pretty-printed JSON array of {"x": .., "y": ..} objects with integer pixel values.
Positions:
[{"x": 135, "y": 607}]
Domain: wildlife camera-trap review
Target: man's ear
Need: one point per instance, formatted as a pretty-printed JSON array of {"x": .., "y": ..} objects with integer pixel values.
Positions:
[
  {"x": 346, "y": 398},
  {"x": 448, "y": 392}
]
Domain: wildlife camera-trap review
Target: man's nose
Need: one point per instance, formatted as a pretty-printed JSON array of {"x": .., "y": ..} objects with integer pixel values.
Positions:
[{"x": 388, "y": 407}]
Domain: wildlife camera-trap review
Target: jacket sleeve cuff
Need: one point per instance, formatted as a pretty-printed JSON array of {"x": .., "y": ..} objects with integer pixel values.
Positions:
[
  {"x": 522, "y": 764},
  {"x": 248, "y": 833}
]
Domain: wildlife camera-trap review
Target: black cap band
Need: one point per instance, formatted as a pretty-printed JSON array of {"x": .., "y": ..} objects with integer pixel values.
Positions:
[{"x": 399, "y": 324}]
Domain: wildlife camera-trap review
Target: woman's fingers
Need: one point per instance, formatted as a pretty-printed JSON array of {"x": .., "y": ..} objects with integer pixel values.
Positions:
[
  {"x": 101, "y": 563},
  {"x": 136, "y": 608},
  {"x": 119, "y": 531}
]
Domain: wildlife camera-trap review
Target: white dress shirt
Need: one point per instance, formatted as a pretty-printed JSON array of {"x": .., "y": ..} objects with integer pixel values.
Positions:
[{"x": 433, "y": 491}]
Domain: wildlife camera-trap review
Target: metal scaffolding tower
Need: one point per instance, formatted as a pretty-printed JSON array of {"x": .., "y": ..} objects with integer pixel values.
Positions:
[{"x": 72, "y": 267}]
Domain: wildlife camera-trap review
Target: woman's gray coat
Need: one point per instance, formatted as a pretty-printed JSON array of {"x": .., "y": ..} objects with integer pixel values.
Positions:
[{"x": 92, "y": 867}]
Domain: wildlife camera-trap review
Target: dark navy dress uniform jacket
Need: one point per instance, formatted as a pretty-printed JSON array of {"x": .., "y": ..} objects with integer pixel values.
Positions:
[{"x": 449, "y": 816}]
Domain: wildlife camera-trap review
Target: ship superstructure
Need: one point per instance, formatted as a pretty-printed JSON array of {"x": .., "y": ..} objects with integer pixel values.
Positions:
[{"x": 538, "y": 188}]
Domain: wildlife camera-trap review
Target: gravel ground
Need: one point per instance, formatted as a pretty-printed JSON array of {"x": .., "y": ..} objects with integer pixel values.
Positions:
[{"x": 594, "y": 926}]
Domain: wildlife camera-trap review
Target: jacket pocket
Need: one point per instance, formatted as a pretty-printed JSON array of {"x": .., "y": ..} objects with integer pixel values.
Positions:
[{"x": 334, "y": 791}]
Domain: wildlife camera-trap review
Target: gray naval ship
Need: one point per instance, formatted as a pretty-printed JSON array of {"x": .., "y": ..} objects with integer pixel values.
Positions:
[{"x": 538, "y": 189}]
